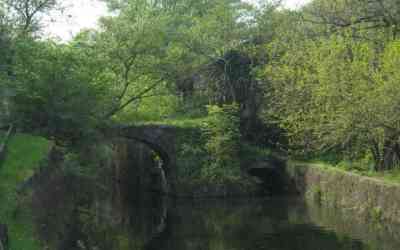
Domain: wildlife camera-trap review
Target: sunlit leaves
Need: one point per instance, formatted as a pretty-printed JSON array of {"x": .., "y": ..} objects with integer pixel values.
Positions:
[
  {"x": 221, "y": 130},
  {"x": 337, "y": 92}
]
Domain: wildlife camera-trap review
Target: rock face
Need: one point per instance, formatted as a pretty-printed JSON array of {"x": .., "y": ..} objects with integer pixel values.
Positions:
[
  {"x": 3, "y": 237},
  {"x": 367, "y": 198}
]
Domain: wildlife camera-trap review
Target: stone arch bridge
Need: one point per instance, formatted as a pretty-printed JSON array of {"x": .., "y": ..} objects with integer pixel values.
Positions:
[{"x": 162, "y": 139}]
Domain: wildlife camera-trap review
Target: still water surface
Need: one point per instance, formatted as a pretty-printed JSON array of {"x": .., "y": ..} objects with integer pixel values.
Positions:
[{"x": 157, "y": 223}]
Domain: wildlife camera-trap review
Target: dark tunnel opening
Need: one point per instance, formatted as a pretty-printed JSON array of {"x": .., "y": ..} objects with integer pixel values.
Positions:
[
  {"x": 271, "y": 173},
  {"x": 273, "y": 182}
]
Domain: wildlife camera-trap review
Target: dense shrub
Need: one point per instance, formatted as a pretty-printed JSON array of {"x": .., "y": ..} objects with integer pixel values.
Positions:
[{"x": 222, "y": 133}]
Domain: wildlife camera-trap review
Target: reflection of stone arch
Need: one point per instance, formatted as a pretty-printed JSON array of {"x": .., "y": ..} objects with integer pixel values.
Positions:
[{"x": 158, "y": 235}]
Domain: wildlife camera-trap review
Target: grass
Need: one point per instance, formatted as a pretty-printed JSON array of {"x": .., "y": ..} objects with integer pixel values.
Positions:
[
  {"x": 192, "y": 118},
  {"x": 181, "y": 122},
  {"x": 390, "y": 176},
  {"x": 24, "y": 154}
]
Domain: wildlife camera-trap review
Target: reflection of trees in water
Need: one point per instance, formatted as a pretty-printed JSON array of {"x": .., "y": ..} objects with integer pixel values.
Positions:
[
  {"x": 381, "y": 236},
  {"x": 305, "y": 237},
  {"x": 109, "y": 220},
  {"x": 237, "y": 226},
  {"x": 74, "y": 214}
]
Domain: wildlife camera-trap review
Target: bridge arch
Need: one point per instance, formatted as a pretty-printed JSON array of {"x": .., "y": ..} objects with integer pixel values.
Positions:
[
  {"x": 159, "y": 150},
  {"x": 160, "y": 139}
]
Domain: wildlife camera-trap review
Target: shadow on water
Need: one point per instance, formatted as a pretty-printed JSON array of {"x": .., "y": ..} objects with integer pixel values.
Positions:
[
  {"x": 74, "y": 214},
  {"x": 244, "y": 224}
]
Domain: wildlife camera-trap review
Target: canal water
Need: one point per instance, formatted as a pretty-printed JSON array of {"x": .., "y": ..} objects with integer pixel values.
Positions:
[{"x": 70, "y": 219}]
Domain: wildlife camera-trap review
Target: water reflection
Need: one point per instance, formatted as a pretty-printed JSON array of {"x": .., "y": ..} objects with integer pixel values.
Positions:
[
  {"x": 239, "y": 225},
  {"x": 114, "y": 220}
]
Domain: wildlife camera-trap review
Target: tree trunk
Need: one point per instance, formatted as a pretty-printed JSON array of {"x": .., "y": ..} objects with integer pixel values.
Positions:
[
  {"x": 390, "y": 156},
  {"x": 376, "y": 154}
]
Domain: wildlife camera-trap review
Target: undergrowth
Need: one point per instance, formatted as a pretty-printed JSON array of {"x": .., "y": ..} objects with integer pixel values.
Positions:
[{"x": 24, "y": 154}]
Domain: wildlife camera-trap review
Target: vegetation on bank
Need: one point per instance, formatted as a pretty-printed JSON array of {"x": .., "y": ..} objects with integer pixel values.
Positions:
[
  {"x": 309, "y": 82},
  {"x": 209, "y": 152},
  {"x": 373, "y": 197},
  {"x": 389, "y": 176},
  {"x": 24, "y": 154},
  {"x": 318, "y": 82}
]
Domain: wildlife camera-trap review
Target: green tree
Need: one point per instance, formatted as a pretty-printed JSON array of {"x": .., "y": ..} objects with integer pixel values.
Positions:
[
  {"x": 333, "y": 93},
  {"x": 53, "y": 90},
  {"x": 154, "y": 48},
  {"x": 26, "y": 15},
  {"x": 368, "y": 19},
  {"x": 129, "y": 51},
  {"x": 223, "y": 143}
]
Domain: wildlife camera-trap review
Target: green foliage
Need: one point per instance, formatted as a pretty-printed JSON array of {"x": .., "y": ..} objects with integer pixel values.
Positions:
[
  {"x": 53, "y": 90},
  {"x": 391, "y": 176},
  {"x": 250, "y": 153},
  {"x": 89, "y": 162},
  {"x": 147, "y": 111},
  {"x": 223, "y": 143},
  {"x": 315, "y": 194},
  {"x": 376, "y": 20},
  {"x": 376, "y": 214},
  {"x": 146, "y": 63},
  {"x": 180, "y": 122},
  {"x": 356, "y": 167},
  {"x": 213, "y": 154},
  {"x": 24, "y": 155},
  {"x": 331, "y": 81},
  {"x": 153, "y": 52},
  {"x": 192, "y": 156},
  {"x": 333, "y": 93},
  {"x": 25, "y": 16}
]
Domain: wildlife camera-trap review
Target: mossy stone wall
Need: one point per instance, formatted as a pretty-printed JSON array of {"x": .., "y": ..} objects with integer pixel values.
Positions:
[{"x": 368, "y": 198}]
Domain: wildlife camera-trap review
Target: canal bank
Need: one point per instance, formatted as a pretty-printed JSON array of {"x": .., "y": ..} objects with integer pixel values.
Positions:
[
  {"x": 367, "y": 198},
  {"x": 75, "y": 212},
  {"x": 26, "y": 157}
]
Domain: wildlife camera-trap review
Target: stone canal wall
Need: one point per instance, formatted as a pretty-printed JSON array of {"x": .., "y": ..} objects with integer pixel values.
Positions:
[{"x": 367, "y": 198}]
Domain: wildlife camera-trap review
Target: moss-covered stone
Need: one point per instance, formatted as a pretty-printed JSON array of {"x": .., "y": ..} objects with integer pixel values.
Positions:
[{"x": 369, "y": 198}]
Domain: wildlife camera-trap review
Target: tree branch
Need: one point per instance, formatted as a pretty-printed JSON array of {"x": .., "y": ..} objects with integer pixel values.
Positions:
[{"x": 132, "y": 99}]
